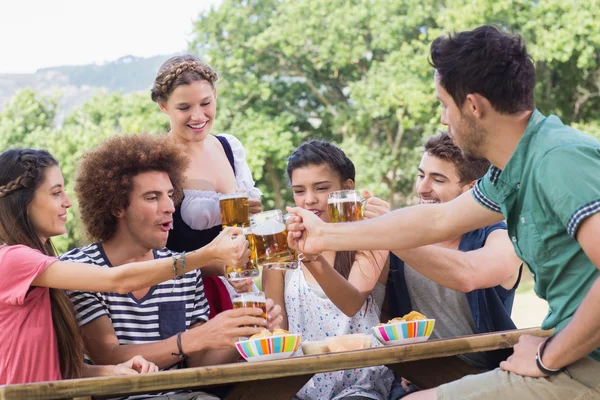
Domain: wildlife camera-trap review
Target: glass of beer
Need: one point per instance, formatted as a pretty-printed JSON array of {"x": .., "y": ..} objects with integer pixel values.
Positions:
[
  {"x": 345, "y": 206},
  {"x": 269, "y": 234},
  {"x": 250, "y": 270},
  {"x": 250, "y": 299},
  {"x": 235, "y": 209}
]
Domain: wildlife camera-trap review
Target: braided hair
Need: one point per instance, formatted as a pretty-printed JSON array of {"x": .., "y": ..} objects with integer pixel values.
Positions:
[
  {"x": 22, "y": 171},
  {"x": 177, "y": 71}
]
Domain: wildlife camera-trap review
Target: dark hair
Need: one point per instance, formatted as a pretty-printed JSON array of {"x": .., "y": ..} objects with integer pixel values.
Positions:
[
  {"x": 22, "y": 171},
  {"x": 319, "y": 152},
  {"x": 177, "y": 71},
  {"x": 442, "y": 146},
  {"x": 489, "y": 62},
  {"x": 112, "y": 167}
]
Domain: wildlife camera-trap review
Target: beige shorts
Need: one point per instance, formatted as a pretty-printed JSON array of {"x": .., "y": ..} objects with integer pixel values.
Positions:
[{"x": 583, "y": 384}]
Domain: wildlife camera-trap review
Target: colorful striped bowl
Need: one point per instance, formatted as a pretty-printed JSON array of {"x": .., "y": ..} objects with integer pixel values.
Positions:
[
  {"x": 404, "y": 332},
  {"x": 268, "y": 348}
]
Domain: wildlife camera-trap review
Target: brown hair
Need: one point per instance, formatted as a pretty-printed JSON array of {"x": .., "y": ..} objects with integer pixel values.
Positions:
[
  {"x": 177, "y": 71},
  {"x": 487, "y": 61},
  {"x": 442, "y": 146},
  {"x": 22, "y": 172},
  {"x": 112, "y": 167}
]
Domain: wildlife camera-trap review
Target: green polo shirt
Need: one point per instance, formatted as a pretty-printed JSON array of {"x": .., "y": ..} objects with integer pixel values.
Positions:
[{"x": 549, "y": 186}]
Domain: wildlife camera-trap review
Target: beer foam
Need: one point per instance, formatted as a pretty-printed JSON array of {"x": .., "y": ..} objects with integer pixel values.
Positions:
[
  {"x": 236, "y": 195},
  {"x": 268, "y": 227},
  {"x": 353, "y": 199},
  {"x": 250, "y": 297}
]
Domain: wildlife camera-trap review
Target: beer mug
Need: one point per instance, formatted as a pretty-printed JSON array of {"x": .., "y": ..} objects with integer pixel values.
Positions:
[
  {"x": 250, "y": 270},
  {"x": 251, "y": 300},
  {"x": 269, "y": 234},
  {"x": 345, "y": 206},
  {"x": 235, "y": 209}
]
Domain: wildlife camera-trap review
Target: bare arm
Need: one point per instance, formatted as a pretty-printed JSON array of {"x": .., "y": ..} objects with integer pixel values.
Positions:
[
  {"x": 400, "y": 229},
  {"x": 103, "y": 346},
  {"x": 349, "y": 295},
  {"x": 221, "y": 332},
  {"x": 132, "y": 276},
  {"x": 274, "y": 287},
  {"x": 494, "y": 264},
  {"x": 135, "y": 365},
  {"x": 582, "y": 335}
]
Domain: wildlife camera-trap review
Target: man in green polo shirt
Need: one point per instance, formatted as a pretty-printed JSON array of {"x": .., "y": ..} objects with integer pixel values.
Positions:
[{"x": 545, "y": 181}]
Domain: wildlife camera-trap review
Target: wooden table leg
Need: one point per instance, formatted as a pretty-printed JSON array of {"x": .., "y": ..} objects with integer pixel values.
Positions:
[
  {"x": 279, "y": 388},
  {"x": 429, "y": 373}
]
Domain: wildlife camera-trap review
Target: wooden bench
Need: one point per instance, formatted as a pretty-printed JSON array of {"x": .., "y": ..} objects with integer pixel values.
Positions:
[{"x": 426, "y": 364}]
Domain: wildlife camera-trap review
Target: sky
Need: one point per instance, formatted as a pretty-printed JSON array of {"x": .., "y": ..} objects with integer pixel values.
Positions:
[{"x": 46, "y": 33}]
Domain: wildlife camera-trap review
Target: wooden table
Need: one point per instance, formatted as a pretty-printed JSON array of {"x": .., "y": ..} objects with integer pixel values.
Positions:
[{"x": 431, "y": 362}]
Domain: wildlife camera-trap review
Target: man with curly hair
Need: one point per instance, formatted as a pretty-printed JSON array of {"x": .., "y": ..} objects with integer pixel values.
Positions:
[{"x": 127, "y": 188}]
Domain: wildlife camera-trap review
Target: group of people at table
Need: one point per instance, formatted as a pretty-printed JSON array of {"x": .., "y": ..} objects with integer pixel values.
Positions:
[{"x": 149, "y": 293}]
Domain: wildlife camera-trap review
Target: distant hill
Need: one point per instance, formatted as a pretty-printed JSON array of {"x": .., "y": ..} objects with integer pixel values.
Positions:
[{"x": 79, "y": 83}]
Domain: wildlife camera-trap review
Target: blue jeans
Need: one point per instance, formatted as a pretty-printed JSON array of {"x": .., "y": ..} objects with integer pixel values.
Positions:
[{"x": 398, "y": 391}]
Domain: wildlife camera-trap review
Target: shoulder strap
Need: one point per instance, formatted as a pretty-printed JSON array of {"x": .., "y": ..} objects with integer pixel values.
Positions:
[{"x": 228, "y": 151}]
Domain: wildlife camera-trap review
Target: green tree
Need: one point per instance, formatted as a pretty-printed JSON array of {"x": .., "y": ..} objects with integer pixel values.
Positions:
[{"x": 356, "y": 72}]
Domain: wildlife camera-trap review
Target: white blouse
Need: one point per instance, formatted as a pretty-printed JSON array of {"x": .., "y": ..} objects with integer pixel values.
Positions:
[{"x": 200, "y": 208}]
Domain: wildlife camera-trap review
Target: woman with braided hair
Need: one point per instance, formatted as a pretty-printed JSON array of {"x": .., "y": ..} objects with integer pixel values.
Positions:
[
  {"x": 184, "y": 88},
  {"x": 39, "y": 337}
]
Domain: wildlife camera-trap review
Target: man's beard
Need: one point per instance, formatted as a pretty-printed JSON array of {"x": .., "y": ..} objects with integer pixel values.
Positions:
[{"x": 474, "y": 137}]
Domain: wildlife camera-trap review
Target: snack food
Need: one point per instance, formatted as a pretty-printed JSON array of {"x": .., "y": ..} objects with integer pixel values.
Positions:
[
  {"x": 356, "y": 341},
  {"x": 268, "y": 333},
  {"x": 411, "y": 316}
]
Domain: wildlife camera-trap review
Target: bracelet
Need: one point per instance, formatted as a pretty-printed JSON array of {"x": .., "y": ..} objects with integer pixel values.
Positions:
[
  {"x": 174, "y": 272},
  {"x": 181, "y": 354},
  {"x": 538, "y": 359},
  {"x": 182, "y": 258}
]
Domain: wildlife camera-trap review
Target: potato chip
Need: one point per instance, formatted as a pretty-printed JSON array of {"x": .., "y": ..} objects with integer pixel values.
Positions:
[
  {"x": 267, "y": 333},
  {"x": 414, "y": 316},
  {"x": 262, "y": 334},
  {"x": 411, "y": 316}
]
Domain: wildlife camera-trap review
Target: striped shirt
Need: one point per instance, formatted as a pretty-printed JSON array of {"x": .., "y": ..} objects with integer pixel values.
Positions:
[{"x": 168, "y": 308}]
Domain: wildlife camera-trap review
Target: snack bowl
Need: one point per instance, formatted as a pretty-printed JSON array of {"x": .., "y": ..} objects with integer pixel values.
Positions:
[
  {"x": 355, "y": 341},
  {"x": 404, "y": 332},
  {"x": 268, "y": 348}
]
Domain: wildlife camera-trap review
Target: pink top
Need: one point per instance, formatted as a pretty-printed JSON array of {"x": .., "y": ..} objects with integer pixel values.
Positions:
[{"x": 28, "y": 348}]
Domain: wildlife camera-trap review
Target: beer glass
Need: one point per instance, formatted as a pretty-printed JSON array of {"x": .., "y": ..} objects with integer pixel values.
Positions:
[
  {"x": 235, "y": 209},
  {"x": 345, "y": 206},
  {"x": 250, "y": 270},
  {"x": 252, "y": 300},
  {"x": 270, "y": 238}
]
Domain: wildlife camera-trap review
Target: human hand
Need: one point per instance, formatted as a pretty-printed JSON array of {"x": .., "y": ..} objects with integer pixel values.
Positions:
[
  {"x": 242, "y": 285},
  {"x": 134, "y": 366},
  {"x": 522, "y": 362},
  {"x": 274, "y": 316},
  {"x": 375, "y": 206},
  {"x": 224, "y": 330},
  {"x": 305, "y": 231},
  {"x": 255, "y": 206},
  {"x": 230, "y": 248}
]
